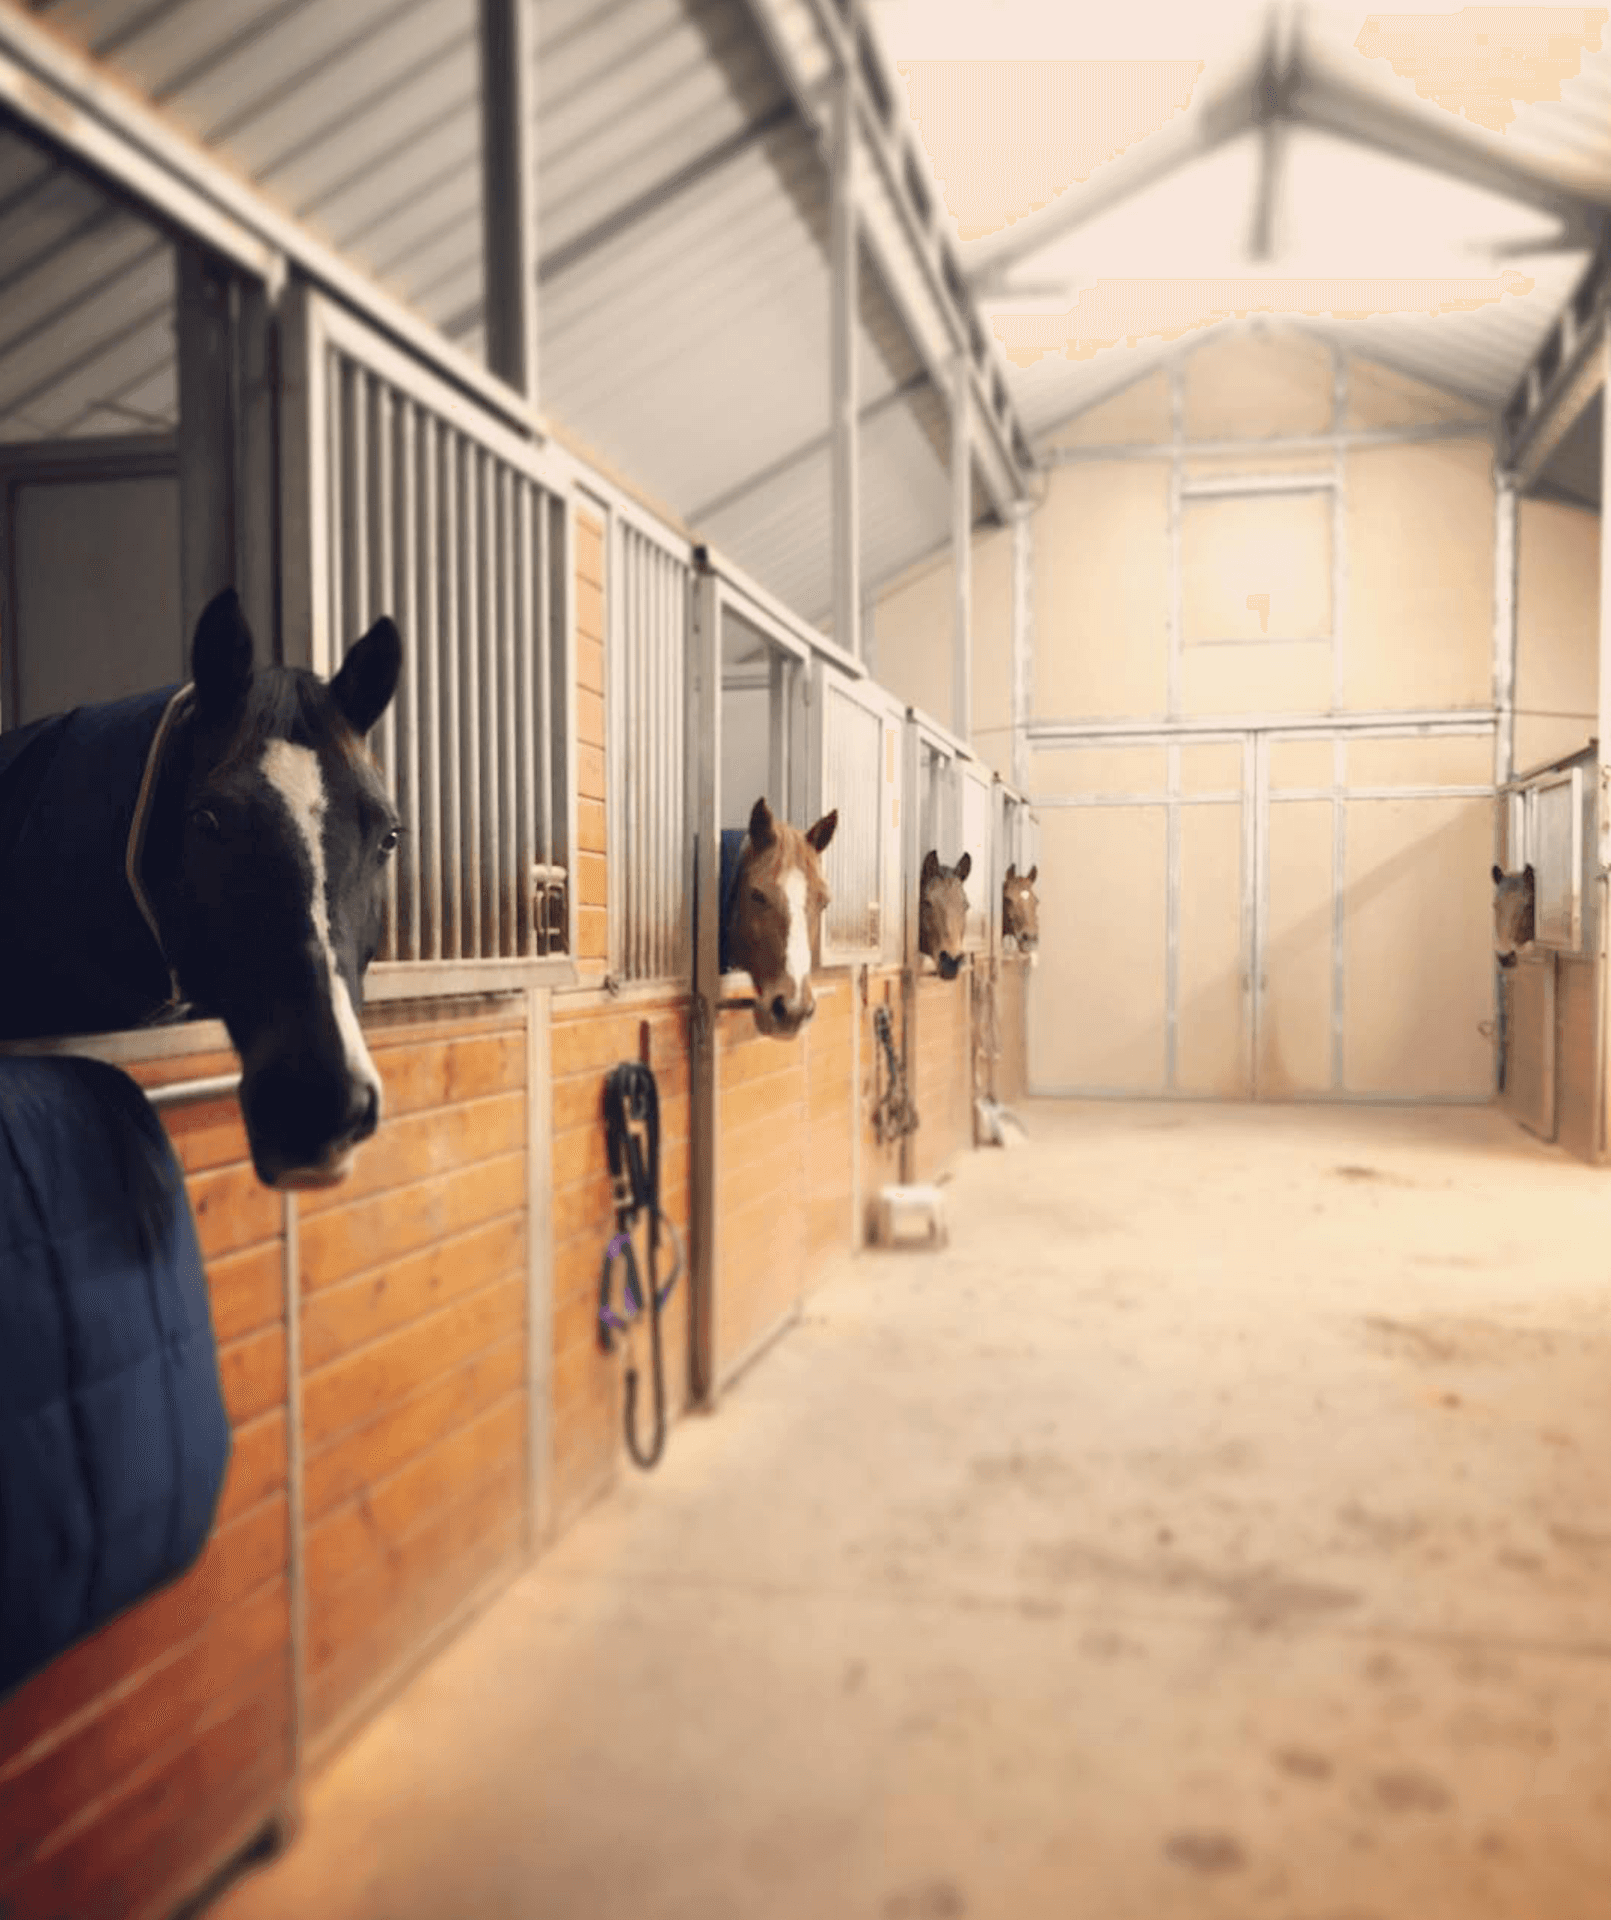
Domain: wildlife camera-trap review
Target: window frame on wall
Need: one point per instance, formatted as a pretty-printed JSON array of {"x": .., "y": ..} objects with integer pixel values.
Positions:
[{"x": 333, "y": 587}]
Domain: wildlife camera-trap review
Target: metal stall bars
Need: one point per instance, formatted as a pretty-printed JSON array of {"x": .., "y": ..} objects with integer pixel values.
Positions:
[
  {"x": 419, "y": 503},
  {"x": 650, "y": 863},
  {"x": 977, "y": 815}
]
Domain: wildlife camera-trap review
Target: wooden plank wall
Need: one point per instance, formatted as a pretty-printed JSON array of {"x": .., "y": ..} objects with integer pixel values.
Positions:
[
  {"x": 1012, "y": 1068},
  {"x": 880, "y": 1165},
  {"x": 1575, "y": 1119},
  {"x": 831, "y": 1117},
  {"x": 762, "y": 1187},
  {"x": 943, "y": 1073},
  {"x": 592, "y": 940},
  {"x": 413, "y": 1278},
  {"x": 148, "y": 1752},
  {"x": 587, "y": 1041}
]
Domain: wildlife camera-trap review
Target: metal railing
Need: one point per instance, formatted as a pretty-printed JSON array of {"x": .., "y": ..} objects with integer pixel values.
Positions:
[
  {"x": 431, "y": 510},
  {"x": 647, "y": 590}
]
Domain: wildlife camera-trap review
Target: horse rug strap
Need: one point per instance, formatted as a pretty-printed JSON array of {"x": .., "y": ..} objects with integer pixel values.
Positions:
[
  {"x": 632, "y": 1141},
  {"x": 82, "y": 952},
  {"x": 114, "y": 1440}
]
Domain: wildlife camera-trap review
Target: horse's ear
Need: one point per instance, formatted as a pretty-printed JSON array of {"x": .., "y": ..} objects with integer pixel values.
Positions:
[
  {"x": 221, "y": 656},
  {"x": 931, "y": 866},
  {"x": 1033, "y": 871},
  {"x": 822, "y": 832},
  {"x": 364, "y": 687},
  {"x": 763, "y": 830},
  {"x": 1012, "y": 872},
  {"x": 963, "y": 867},
  {"x": 1527, "y": 873},
  {"x": 1499, "y": 874}
]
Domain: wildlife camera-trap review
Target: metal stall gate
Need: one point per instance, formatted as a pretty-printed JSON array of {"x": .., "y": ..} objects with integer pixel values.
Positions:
[
  {"x": 651, "y": 848},
  {"x": 1547, "y": 1000},
  {"x": 414, "y": 500}
]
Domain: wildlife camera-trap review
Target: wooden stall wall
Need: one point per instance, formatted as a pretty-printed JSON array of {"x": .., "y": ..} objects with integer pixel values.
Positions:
[
  {"x": 943, "y": 1076},
  {"x": 147, "y": 1753},
  {"x": 414, "y": 1300},
  {"x": 763, "y": 1199},
  {"x": 1012, "y": 1061},
  {"x": 879, "y": 1162},
  {"x": 1576, "y": 1088},
  {"x": 590, "y": 1036},
  {"x": 830, "y": 1042}
]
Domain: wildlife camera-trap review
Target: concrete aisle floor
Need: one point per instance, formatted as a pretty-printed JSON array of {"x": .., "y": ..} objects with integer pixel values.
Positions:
[{"x": 1222, "y": 1527}]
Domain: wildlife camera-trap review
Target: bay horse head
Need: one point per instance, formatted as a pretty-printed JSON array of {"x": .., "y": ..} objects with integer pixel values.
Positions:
[
  {"x": 774, "y": 918},
  {"x": 1020, "y": 908},
  {"x": 1513, "y": 913},
  {"x": 264, "y": 859},
  {"x": 943, "y": 912}
]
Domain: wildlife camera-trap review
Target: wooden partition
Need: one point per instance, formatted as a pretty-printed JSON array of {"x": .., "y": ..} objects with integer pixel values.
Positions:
[
  {"x": 943, "y": 1075},
  {"x": 413, "y": 1278},
  {"x": 592, "y": 1034},
  {"x": 1012, "y": 1063}
]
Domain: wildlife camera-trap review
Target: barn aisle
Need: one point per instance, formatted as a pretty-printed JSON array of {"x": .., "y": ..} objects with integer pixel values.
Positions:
[{"x": 1221, "y": 1527}]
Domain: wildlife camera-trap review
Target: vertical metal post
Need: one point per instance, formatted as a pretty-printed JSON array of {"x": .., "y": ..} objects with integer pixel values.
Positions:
[
  {"x": 962, "y": 549},
  {"x": 1504, "y": 676},
  {"x": 508, "y": 191},
  {"x": 1339, "y": 908},
  {"x": 843, "y": 303},
  {"x": 1023, "y": 639},
  {"x": 1602, "y": 759},
  {"x": 206, "y": 431},
  {"x": 705, "y": 757},
  {"x": 912, "y": 867},
  {"x": 539, "y": 1270}
]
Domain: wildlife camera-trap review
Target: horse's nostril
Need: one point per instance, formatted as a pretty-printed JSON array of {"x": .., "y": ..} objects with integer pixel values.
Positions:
[
  {"x": 780, "y": 1008},
  {"x": 368, "y": 1114}
]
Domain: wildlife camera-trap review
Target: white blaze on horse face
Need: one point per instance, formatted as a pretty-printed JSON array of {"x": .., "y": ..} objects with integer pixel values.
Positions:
[
  {"x": 797, "y": 955},
  {"x": 294, "y": 774}
]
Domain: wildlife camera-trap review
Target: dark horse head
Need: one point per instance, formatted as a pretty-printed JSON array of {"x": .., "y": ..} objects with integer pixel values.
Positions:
[
  {"x": 943, "y": 912},
  {"x": 1513, "y": 913},
  {"x": 221, "y": 844}
]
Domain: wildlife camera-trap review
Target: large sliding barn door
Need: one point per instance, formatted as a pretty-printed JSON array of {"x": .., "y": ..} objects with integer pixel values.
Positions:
[{"x": 1281, "y": 915}]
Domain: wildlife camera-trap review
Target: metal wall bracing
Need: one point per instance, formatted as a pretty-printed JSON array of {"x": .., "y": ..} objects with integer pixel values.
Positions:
[
  {"x": 649, "y": 877},
  {"x": 977, "y": 820},
  {"x": 421, "y": 506}
]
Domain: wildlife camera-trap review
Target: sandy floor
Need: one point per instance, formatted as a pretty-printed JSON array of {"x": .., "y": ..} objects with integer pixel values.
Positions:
[{"x": 1222, "y": 1527}]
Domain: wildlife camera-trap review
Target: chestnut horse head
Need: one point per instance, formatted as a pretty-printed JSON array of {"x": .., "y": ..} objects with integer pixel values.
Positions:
[
  {"x": 943, "y": 912},
  {"x": 773, "y": 919},
  {"x": 1020, "y": 908}
]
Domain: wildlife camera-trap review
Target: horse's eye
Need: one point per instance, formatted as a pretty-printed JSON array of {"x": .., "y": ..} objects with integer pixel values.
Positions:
[
  {"x": 758, "y": 897},
  {"x": 206, "y": 821},
  {"x": 388, "y": 843}
]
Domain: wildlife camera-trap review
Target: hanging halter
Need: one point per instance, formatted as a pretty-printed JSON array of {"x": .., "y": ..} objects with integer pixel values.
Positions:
[{"x": 632, "y": 1138}]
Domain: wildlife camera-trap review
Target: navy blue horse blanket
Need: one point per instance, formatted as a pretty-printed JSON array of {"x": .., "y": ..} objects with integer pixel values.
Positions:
[
  {"x": 733, "y": 839},
  {"x": 79, "y": 951},
  {"x": 113, "y": 1436}
]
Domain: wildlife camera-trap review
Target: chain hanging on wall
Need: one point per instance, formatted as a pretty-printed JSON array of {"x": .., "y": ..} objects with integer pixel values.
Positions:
[{"x": 894, "y": 1115}]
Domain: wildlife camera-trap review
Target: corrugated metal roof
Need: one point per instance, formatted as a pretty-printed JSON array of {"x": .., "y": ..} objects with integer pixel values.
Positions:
[
  {"x": 86, "y": 307},
  {"x": 360, "y": 116},
  {"x": 1354, "y": 229}
]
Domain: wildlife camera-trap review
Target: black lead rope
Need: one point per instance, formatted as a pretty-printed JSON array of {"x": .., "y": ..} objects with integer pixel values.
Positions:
[{"x": 632, "y": 1136}]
